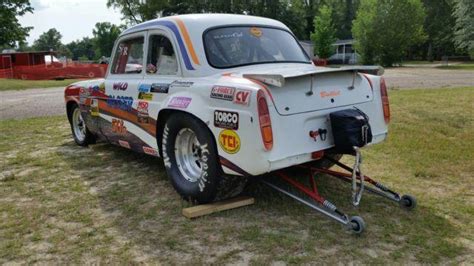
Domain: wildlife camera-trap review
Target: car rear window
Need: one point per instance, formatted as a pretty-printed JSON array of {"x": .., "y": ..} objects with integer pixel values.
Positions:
[{"x": 245, "y": 45}]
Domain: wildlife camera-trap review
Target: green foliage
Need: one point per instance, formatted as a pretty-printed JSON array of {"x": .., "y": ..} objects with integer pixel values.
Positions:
[
  {"x": 50, "y": 40},
  {"x": 464, "y": 34},
  {"x": 385, "y": 29},
  {"x": 11, "y": 32},
  {"x": 82, "y": 49},
  {"x": 105, "y": 35},
  {"x": 324, "y": 32}
]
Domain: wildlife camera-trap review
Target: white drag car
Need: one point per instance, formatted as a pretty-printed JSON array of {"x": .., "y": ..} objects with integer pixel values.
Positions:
[{"x": 222, "y": 98}]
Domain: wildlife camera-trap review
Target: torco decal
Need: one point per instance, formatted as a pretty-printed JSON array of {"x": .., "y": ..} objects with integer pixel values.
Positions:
[
  {"x": 118, "y": 126},
  {"x": 229, "y": 141},
  {"x": 226, "y": 119},
  {"x": 150, "y": 151},
  {"x": 180, "y": 102},
  {"x": 124, "y": 144},
  {"x": 242, "y": 97},
  {"x": 159, "y": 88},
  {"x": 142, "y": 112},
  {"x": 120, "y": 86},
  {"x": 223, "y": 93},
  {"x": 95, "y": 107}
]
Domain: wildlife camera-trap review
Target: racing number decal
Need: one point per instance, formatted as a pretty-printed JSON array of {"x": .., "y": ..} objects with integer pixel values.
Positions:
[{"x": 229, "y": 141}]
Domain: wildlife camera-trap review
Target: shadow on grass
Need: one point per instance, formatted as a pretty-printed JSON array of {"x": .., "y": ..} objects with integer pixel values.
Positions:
[{"x": 135, "y": 193}]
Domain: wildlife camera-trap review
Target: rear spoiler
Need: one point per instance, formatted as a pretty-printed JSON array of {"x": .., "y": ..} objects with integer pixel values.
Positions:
[{"x": 278, "y": 80}]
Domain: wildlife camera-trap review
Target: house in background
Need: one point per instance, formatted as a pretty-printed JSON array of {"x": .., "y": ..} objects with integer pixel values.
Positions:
[{"x": 345, "y": 53}]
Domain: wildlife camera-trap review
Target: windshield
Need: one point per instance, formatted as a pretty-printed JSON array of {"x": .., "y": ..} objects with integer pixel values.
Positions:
[{"x": 238, "y": 46}]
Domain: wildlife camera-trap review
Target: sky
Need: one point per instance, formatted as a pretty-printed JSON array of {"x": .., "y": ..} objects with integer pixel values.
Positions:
[{"x": 74, "y": 19}]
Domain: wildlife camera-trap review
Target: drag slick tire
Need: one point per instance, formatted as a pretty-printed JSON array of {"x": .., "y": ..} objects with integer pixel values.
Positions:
[
  {"x": 192, "y": 163},
  {"x": 81, "y": 134}
]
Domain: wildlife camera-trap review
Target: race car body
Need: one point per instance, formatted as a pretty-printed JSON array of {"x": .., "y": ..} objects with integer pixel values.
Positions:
[{"x": 218, "y": 96}]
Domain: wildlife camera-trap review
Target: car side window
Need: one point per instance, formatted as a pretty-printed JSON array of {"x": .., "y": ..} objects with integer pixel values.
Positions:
[
  {"x": 161, "y": 56},
  {"x": 128, "y": 58}
]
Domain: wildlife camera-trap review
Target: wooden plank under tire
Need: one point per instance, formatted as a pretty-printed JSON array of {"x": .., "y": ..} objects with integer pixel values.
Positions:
[{"x": 200, "y": 210}]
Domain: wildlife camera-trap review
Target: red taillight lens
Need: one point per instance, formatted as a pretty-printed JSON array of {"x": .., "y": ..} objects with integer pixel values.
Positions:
[
  {"x": 385, "y": 104},
  {"x": 264, "y": 120}
]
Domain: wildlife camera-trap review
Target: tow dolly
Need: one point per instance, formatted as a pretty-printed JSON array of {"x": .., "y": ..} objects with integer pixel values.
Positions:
[{"x": 354, "y": 175}]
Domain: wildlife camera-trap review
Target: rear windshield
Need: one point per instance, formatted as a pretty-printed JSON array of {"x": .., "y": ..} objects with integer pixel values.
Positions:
[{"x": 237, "y": 46}]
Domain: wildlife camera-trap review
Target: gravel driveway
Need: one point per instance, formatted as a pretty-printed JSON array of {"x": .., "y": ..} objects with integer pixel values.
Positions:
[{"x": 50, "y": 101}]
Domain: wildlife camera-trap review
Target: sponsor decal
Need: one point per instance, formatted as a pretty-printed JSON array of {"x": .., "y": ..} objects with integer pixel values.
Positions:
[
  {"x": 150, "y": 151},
  {"x": 94, "y": 107},
  {"x": 120, "y": 102},
  {"x": 102, "y": 87},
  {"x": 256, "y": 32},
  {"x": 124, "y": 144},
  {"x": 333, "y": 93},
  {"x": 242, "y": 97},
  {"x": 118, "y": 126},
  {"x": 83, "y": 95},
  {"x": 181, "y": 83},
  {"x": 159, "y": 88},
  {"x": 142, "y": 112},
  {"x": 226, "y": 119},
  {"x": 229, "y": 141},
  {"x": 144, "y": 92},
  {"x": 121, "y": 86},
  {"x": 222, "y": 93},
  {"x": 179, "y": 102}
]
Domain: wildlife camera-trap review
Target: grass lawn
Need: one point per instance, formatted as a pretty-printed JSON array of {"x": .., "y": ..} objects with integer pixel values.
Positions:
[
  {"x": 60, "y": 203},
  {"x": 18, "y": 84},
  {"x": 461, "y": 66}
]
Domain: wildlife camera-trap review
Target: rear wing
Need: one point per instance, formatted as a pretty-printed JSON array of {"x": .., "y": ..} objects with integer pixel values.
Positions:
[{"x": 278, "y": 80}]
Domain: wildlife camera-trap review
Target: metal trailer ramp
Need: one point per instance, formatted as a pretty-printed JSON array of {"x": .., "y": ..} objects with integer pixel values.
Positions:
[{"x": 359, "y": 181}]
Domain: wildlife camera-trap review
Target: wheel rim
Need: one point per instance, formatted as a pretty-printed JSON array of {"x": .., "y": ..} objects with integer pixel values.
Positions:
[
  {"x": 78, "y": 125},
  {"x": 188, "y": 155}
]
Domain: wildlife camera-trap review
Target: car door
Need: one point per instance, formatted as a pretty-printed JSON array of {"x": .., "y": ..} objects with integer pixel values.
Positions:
[
  {"x": 118, "y": 113},
  {"x": 162, "y": 69}
]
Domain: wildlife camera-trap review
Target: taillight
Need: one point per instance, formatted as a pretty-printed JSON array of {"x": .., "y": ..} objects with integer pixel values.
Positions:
[
  {"x": 385, "y": 104},
  {"x": 264, "y": 120}
]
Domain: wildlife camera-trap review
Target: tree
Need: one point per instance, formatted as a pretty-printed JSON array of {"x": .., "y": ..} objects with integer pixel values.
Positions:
[
  {"x": 464, "y": 34},
  {"x": 105, "y": 35},
  {"x": 324, "y": 32},
  {"x": 385, "y": 29},
  {"x": 11, "y": 32},
  {"x": 82, "y": 48},
  {"x": 50, "y": 40}
]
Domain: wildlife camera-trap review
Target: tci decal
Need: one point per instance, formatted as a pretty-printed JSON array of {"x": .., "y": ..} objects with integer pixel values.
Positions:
[
  {"x": 226, "y": 119},
  {"x": 118, "y": 126},
  {"x": 120, "y": 102},
  {"x": 180, "y": 102},
  {"x": 222, "y": 93},
  {"x": 120, "y": 86},
  {"x": 229, "y": 141},
  {"x": 142, "y": 112},
  {"x": 159, "y": 88},
  {"x": 242, "y": 97}
]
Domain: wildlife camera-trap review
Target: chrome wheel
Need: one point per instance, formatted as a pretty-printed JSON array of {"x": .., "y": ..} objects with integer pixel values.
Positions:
[
  {"x": 78, "y": 125},
  {"x": 187, "y": 150}
]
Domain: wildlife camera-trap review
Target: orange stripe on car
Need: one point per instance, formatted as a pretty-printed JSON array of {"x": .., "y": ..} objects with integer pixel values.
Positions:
[{"x": 187, "y": 40}]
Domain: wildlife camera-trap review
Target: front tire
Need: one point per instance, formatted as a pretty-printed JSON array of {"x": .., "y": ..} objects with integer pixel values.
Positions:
[
  {"x": 81, "y": 134},
  {"x": 192, "y": 163}
]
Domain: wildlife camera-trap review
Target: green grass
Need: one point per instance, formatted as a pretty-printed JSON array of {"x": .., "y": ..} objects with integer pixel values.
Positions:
[
  {"x": 18, "y": 84},
  {"x": 60, "y": 203},
  {"x": 461, "y": 66}
]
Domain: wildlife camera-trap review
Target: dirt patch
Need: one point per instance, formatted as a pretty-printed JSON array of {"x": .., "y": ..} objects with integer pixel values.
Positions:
[{"x": 427, "y": 77}]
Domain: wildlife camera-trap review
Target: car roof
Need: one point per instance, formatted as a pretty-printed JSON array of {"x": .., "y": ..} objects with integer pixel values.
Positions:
[{"x": 202, "y": 22}]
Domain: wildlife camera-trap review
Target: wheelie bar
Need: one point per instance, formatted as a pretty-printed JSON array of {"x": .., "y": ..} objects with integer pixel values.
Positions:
[{"x": 320, "y": 204}]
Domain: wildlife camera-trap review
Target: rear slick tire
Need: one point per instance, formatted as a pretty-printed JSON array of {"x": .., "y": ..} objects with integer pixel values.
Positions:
[{"x": 192, "y": 163}]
